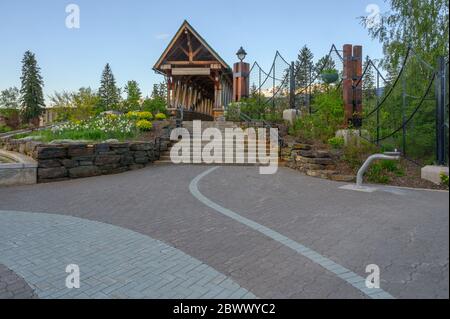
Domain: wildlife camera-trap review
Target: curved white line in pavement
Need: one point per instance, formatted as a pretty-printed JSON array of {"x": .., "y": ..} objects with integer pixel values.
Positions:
[
  {"x": 343, "y": 273},
  {"x": 114, "y": 262}
]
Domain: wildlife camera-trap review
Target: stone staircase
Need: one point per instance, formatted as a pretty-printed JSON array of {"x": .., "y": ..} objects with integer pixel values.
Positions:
[
  {"x": 229, "y": 156},
  {"x": 313, "y": 162}
]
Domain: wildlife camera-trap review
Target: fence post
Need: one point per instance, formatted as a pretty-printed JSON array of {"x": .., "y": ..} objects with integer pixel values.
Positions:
[
  {"x": 259, "y": 85},
  {"x": 377, "y": 106},
  {"x": 274, "y": 84},
  {"x": 292, "y": 87},
  {"x": 440, "y": 112},
  {"x": 403, "y": 114}
]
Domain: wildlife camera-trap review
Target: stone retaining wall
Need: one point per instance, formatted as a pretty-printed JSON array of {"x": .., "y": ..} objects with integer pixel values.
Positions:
[
  {"x": 66, "y": 161},
  {"x": 313, "y": 162}
]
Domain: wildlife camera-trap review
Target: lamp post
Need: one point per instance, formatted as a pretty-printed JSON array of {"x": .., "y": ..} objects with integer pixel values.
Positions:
[
  {"x": 241, "y": 84},
  {"x": 241, "y": 54}
]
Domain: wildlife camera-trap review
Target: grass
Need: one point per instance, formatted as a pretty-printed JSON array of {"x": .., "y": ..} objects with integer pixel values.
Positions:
[{"x": 382, "y": 171}]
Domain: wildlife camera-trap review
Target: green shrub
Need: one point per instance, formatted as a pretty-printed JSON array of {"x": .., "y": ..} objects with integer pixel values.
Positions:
[
  {"x": 160, "y": 116},
  {"x": 145, "y": 115},
  {"x": 377, "y": 175},
  {"x": 135, "y": 115},
  {"x": 355, "y": 155},
  {"x": 5, "y": 128},
  {"x": 155, "y": 105},
  {"x": 232, "y": 112},
  {"x": 444, "y": 179},
  {"x": 253, "y": 107},
  {"x": 325, "y": 121},
  {"x": 336, "y": 142},
  {"x": 381, "y": 171},
  {"x": 144, "y": 125}
]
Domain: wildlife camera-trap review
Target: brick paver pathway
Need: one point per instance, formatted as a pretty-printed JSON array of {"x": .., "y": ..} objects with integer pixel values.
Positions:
[
  {"x": 113, "y": 262},
  {"x": 404, "y": 232}
]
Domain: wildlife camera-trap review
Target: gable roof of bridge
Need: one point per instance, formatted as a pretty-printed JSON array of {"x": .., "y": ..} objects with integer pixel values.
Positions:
[{"x": 189, "y": 28}]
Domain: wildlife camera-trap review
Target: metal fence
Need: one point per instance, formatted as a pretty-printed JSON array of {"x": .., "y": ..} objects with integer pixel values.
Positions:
[{"x": 405, "y": 109}]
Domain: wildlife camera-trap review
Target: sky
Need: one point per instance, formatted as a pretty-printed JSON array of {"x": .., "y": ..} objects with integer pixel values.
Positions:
[{"x": 132, "y": 34}]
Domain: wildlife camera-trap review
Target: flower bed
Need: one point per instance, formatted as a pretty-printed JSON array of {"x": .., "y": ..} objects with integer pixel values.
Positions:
[
  {"x": 99, "y": 128},
  {"x": 105, "y": 144}
]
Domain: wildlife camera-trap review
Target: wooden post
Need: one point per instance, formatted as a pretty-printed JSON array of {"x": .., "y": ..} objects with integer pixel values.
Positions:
[
  {"x": 357, "y": 69},
  {"x": 347, "y": 83},
  {"x": 241, "y": 86},
  {"x": 177, "y": 94},
  {"x": 169, "y": 89},
  {"x": 183, "y": 98}
]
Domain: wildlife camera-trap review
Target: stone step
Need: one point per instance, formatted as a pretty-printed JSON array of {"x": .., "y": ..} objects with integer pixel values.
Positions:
[
  {"x": 326, "y": 174},
  {"x": 313, "y": 154},
  {"x": 318, "y": 167},
  {"x": 246, "y": 153},
  {"x": 234, "y": 158},
  {"x": 166, "y": 162},
  {"x": 317, "y": 160},
  {"x": 343, "y": 178},
  {"x": 301, "y": 146}
]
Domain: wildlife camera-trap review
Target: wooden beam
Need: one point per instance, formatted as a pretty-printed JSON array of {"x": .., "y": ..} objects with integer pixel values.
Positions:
[
  {"x": 191, "y": 62},
  {"x": 190, "y": 53},
  {"x": 191, "y": 71},
  {"x": 197, "y": 51}
]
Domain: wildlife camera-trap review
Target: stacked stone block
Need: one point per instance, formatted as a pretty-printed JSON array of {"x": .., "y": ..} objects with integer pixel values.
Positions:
[{"x": 67, "y": 161}]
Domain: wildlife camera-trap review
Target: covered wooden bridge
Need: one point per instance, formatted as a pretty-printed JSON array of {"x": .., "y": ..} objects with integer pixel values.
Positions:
[{"x": 198, "y": 79}]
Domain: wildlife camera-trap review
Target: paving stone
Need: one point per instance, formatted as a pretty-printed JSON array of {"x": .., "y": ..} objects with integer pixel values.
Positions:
[
  {"x": 12, "y": 286},
  {"x": 350, "y": 228},
  {"x": 128, "y": 257}
]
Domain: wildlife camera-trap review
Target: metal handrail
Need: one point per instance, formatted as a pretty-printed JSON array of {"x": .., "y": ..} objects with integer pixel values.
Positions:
[{"x": 267, "y": 125}]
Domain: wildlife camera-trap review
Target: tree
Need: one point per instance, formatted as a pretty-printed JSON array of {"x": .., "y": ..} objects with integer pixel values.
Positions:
[
  {"x": 304, "y": 67},
  {"x": 368, "y": 81},
  {"x": 159, "y": 90},
  {"x": 325, "y": 62},
  {"x": 154, "y": 105},
  {"x": 134, "y": 95},
  {"x": 86, "y": 103},
  {"x": 422, "y": 24},
  {"x": 109, "y": 93},
  {"x": 62, "y": 100},
  {"x": 10, "y": 98},
  {"x": 32, "y": 98},
  {"x": 75, "y": 106}
]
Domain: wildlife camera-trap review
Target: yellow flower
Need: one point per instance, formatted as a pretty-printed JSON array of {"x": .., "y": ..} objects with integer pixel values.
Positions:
[
  {"x": 160, "y": 116},
  {"x": 144, "y": 125}
]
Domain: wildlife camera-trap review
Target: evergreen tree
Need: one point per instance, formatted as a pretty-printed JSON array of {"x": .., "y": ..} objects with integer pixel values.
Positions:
[
  {"x": 368, "y": 81},
  {"x": 163, "y": 90},
  {"x": 304, "y": 67},
  {"x": 155, "y": 91},
  {"x": 159, "y": 91},
  {"x": 108, "y": 92},
  {"x": 325, "y": 62},
  {"x": 32, "y": 98},
  {"x": 133, "y": 95}
]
